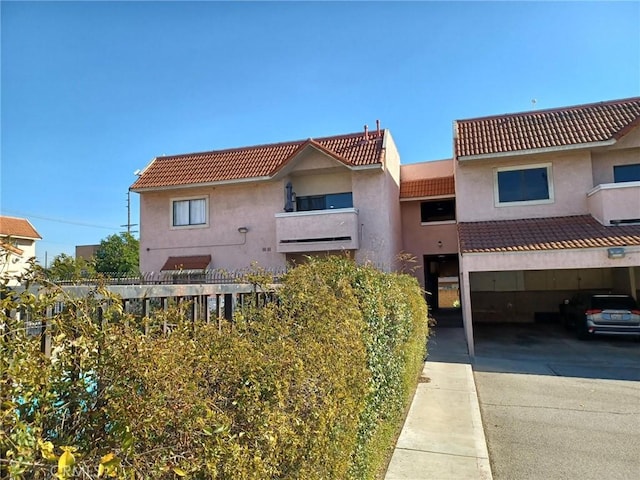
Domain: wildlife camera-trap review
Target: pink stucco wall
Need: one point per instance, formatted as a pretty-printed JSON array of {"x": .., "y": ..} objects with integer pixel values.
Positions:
[
  {"x": 254, "y": 205},
  {"x": 615, "y": 201},
  {"x": 572, "y": 179},
  {"x": 431, "y": 169},
  {"x": 420, "y": 239}
]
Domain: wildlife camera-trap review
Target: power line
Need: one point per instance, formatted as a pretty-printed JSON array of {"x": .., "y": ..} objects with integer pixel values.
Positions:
[{"x": 57, "y": 220}]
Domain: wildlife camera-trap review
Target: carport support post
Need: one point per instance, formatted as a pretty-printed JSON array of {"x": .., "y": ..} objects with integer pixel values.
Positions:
[
  {"x": 632, "y": 283},
  {"x": 465, "y": 288}
]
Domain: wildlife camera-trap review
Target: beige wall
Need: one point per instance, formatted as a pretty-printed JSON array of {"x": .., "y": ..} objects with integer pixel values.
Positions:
[{"x": 12, "y": 264}]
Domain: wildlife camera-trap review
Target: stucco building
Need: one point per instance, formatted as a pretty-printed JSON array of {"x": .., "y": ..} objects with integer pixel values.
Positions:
[
  {"x": 17, "y": 245},
  {"x": 532, "y": 207},
  {"x": 272, "y": 204}
]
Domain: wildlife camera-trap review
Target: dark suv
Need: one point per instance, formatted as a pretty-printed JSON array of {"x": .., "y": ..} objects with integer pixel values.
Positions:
[{"x": 602, "y": 313}]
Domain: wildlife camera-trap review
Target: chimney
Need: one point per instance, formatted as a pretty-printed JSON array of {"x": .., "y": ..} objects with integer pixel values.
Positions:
[
  {"x": 366, "y": 133},
  {"x": 377, "y": 128}
]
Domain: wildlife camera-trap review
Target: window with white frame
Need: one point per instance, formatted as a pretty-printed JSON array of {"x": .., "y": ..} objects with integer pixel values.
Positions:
[
  {"x": 189, "y": 212},
  {"x": 531, "y": 184}
]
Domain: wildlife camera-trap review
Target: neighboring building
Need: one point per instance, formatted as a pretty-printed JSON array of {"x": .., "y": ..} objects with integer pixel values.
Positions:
[
  {"x": 17, "y": 245},
  {"x": 272, "y": 204},
  {"x": 86, "y": 252},
  {"x": 548, "y": 204}
]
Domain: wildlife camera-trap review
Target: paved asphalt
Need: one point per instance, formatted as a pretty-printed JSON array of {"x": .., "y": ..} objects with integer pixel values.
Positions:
[{"x": 554, "y": 407}]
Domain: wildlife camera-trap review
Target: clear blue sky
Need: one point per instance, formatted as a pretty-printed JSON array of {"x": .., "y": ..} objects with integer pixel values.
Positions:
[{"x": 92, "y": 91}]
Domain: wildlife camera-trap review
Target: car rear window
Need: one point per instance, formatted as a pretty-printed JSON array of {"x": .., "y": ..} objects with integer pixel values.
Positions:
[{"x": 613, "y": 303}]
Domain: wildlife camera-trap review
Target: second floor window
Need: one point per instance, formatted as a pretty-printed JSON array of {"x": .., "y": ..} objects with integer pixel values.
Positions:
[
  {"x": 191, "y": 211},
  {"x": 626, "y": 173},
  {"x": 324, "y": 202},
  {"x": 438, "y": 210},
  {"x": 531, "y": 184}
]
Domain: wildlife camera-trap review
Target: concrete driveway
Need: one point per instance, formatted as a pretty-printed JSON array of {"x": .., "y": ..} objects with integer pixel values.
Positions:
[{"x": 554, "y": 407}]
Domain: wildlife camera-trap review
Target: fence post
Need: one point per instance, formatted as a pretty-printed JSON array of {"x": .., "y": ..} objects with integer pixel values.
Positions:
[{"x": 45, "y": 335}]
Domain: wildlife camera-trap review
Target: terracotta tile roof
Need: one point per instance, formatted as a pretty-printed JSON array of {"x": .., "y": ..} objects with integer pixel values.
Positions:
[
  {"x": 555, "y": 233},
  {"x": 581, "y": 124},
  {"x": 256, "y": 161},
  {"x": 17, "y": 227},
  {"x": 194, "y": 262},
  {"x": 427, "y": 187}
]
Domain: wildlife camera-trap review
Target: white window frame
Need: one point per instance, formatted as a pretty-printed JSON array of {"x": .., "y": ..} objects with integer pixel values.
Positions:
[
  {"x": 182, "y": 199},
  {"x": 496, "y": 190}
]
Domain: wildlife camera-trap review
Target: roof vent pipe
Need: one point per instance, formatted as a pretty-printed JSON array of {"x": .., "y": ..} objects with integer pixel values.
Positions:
[
  {"x": 377, "y": 128},
  {"x": 366, "y": 133}
]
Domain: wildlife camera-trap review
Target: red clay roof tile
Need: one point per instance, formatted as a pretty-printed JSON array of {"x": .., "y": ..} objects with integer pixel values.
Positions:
[
  {"x": 428, "y": 187},
  {"x": 256, "y": 161},
  {"x": 580, "y": 124},
  {"x": 554, "y": 233},
  {"x": 17, "y": 227}
]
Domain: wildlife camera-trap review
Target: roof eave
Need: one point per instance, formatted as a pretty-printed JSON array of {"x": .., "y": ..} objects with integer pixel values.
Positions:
[
  {"x": 515, "y": 153},
  {"x": 236, "y": 181},
  {"x": 428, "y": 197}
]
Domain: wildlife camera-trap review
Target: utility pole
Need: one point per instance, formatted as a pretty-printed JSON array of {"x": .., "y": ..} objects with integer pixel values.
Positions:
[{"x": 129, "y": 224}]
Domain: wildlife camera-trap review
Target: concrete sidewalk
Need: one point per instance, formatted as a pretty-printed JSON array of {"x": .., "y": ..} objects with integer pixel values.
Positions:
[{"x": 442, "y": 437}]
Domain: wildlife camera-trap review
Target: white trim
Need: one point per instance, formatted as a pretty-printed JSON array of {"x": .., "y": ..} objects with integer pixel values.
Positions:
[
  {"x": 305, "y": 213},
  {"x": 533, "y": 151},
  {"x": 439, "y": 222},
  {"x": 434, "y": 197},
  {"x": 496, "y": 193},
  {"x": 182, "y": 199},
  {"x": 612, "y": 186}
]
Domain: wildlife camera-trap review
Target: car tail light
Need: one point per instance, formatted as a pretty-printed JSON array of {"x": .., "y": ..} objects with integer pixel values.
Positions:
[
  {"x": 635, "y": 312},
  {"x": 593, "y": 311}
]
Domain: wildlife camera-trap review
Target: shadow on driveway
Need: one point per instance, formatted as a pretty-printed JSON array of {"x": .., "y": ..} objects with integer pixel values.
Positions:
[{"x": 548, "y": 349}]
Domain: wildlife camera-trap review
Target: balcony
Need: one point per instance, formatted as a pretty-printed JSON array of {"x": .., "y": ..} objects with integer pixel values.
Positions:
[
  {"x": 615, "y": 203},
  {"x": 317, "y": 230}
]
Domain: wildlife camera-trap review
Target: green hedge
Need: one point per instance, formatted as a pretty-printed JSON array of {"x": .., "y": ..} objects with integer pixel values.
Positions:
[{"x": 314, "y": 385}]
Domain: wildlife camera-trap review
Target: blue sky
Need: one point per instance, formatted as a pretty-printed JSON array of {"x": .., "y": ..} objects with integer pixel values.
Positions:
[{"x": 92, "y": 91}]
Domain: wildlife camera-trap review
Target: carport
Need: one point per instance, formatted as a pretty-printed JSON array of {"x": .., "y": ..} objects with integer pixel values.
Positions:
[{"x": 522, "y": 270}]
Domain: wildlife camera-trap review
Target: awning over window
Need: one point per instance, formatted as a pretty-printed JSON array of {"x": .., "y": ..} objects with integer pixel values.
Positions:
[{"x": 194, "y": 262}]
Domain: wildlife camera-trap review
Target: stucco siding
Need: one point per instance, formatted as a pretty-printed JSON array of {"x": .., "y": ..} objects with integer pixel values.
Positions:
[
  {"x": 603, "y": 163},
  {"x": 572, "y": 179},
  {"x": 230, "y": 207},
  {"x": 431, "y": 169}
]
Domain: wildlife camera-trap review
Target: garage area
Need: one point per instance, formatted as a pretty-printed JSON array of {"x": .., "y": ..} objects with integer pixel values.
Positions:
[
  {"x": 525, "y": 296},
  {"x": 522, "y": 271}
]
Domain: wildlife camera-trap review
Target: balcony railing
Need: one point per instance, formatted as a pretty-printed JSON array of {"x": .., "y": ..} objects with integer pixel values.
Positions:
[
  {"x": 317, "y": 230},
  {"x": 615, "y": 203}
]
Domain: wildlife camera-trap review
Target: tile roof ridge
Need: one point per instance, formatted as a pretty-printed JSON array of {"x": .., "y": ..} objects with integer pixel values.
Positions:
[
  {"x": 299, "y": 142},
  {"x": 552, "y": 110}
]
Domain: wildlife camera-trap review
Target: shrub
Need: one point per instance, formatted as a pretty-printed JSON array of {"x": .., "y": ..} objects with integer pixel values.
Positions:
[{"x": 313, "y": 385}]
